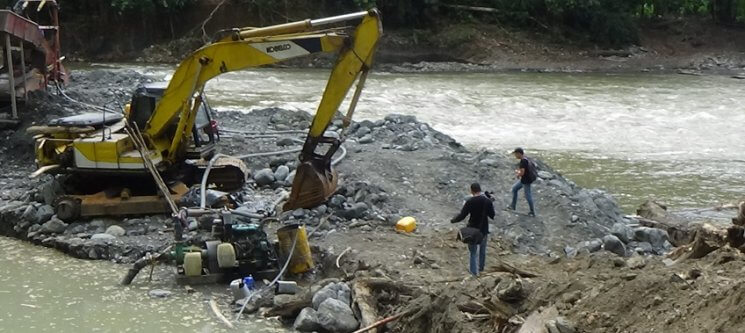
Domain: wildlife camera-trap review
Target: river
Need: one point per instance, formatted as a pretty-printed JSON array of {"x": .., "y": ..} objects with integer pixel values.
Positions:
[
  {"x": 42, "y": 290},
  {"x": 676, "y": 138}
]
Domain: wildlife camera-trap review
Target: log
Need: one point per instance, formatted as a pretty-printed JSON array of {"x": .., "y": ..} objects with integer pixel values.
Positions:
[
  {"x": 366, "y": 304},
  {"x": 380, "y": 323},
  {"x": 219, "y": 315},
  {"x": 502, "y": 266}
]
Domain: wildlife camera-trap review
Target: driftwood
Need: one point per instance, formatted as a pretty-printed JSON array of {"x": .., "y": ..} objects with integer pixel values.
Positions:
[
  {"x": 366, "y": 304},
  {"x": 708, "y": 239},
  {"x": 379, "y": 323},
  {"x": 218, "y": 314},
  {"x": 502, "y": 266}
]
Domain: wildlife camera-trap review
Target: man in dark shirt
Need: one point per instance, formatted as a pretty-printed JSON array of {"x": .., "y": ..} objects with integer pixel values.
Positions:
[
  {"x": 526, "y": 175},
  {"x": 480, "y": 209}
]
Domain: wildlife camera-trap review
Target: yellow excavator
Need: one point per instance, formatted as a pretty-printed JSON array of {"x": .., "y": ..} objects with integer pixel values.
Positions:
[{"x": 101, "y": 155}]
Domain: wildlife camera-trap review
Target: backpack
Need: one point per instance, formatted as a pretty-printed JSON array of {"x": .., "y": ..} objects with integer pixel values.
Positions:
[{"x": 532, "y": 171}]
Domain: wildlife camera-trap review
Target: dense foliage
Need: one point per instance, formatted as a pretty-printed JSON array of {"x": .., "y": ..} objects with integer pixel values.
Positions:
[
  {"x": 610, "y": 22},
  {"x": 605, "y": 22}
]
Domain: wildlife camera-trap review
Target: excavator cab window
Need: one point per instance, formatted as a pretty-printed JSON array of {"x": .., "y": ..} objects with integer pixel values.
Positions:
[{"x": 147, "y": 96}]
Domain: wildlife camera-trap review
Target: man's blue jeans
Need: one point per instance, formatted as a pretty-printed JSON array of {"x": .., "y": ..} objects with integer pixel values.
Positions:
[
  {"x": 528, "y": 196},
  {"x": 472, "y": 248}
]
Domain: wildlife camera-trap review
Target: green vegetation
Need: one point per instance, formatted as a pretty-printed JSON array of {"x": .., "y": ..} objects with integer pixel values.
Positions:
[{"x": 606, "y": 22}]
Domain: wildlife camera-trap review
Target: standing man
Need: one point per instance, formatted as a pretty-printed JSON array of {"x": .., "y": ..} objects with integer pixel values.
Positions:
[
  {"x": 480, "y": 209},
  {"x": 526, "y": 175}
]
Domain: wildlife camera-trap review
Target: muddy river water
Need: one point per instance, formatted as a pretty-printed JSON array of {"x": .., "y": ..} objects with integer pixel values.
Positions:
[{"x": 675, "y": 137}]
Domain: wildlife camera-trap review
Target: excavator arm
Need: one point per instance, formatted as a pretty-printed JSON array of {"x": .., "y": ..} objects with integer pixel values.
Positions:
[{"x": 172, "y": 120}]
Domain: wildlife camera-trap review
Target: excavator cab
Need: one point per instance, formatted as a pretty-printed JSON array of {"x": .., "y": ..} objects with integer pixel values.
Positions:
[{"x": 204, "y": 131}]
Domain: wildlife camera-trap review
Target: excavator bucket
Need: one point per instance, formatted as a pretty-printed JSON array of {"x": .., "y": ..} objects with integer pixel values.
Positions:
[{"x": 314, "y": 183}]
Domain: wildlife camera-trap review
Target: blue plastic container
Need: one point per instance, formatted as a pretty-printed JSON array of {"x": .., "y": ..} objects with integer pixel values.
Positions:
[{"x": 248, "y": 282}]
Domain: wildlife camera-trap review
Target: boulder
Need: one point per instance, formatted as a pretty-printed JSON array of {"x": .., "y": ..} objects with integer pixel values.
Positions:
[
  {"x": 655, "y": 237},
  {"x": 362, "y": 131},
  {"x": 613, "y": 244},
  {"x": 623, "y": 232},
  {"x": 53, "y": 226},
  {"x": 652, "y": 210},
  {"x": 115, "y": 231},
  {"x": 354, "y": 211},
  {"x": 337, "y": 200},
  {"x": 264, "y": 177},
  {"x": 44, "y": 214},
  {"x": 307, "y": 321},
  {"x": 366, "y": 139},
  {"x": 282, "y": 173},
  {"x": 337, "y": 317},
  {"x": 29, "y": 214}
]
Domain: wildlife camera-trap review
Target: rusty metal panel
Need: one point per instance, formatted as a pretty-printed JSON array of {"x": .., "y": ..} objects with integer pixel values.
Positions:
[{"x": 20, "y": 27}]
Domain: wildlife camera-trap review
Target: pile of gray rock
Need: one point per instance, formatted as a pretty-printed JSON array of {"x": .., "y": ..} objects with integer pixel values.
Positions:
[
  {"x": 625, "y": 240},
  {"x": 99, "y": 238},
  {"x": 331, "y": 311},
  {"x": 400, "y": 132}
]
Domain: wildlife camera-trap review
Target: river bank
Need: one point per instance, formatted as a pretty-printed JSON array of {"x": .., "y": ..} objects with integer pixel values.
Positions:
[{"x": 697, "y": 47}]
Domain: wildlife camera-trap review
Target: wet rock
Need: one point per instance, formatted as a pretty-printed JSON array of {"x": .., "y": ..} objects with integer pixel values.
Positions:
[
  {"x": 362, "y": 131},
  {"x": 307, "y": 321},
  {"x": 281, "y": 301},
  {"x": 282, "y": 173},
  {"x": 331, "y": 134},
  {"x": 570, "y": 252},
  {"x": 545, "y": 175},
  {"x": 44, "y": 214},
  {"x": 613, "y": 244},
  {"x": 489, "y": 162},
  {"x": 366, "y": 139},
  {"x": 53, "y": 226},
  {"x": 591, "y": 246},
  {"x": 115, "y": 231},
  {"x": 103, "y": 236},
  {"x": 354, "y": 211},
  {"x": 339, "y": 291},
  {"x": 623, "y": 232},
  {"x": 641, "y": 247},
  {"x": 655, "y": 237},
  {"x": 159, "y": 293},
  {"x": 337, "y": 200},
  {"x": 264, "y": 177},
  {"x": 652, "y": 210},
  {"x": 336, "y": 316},
  {"x": 29, "y": 213},
  {"x": 299, "y": 213}
]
